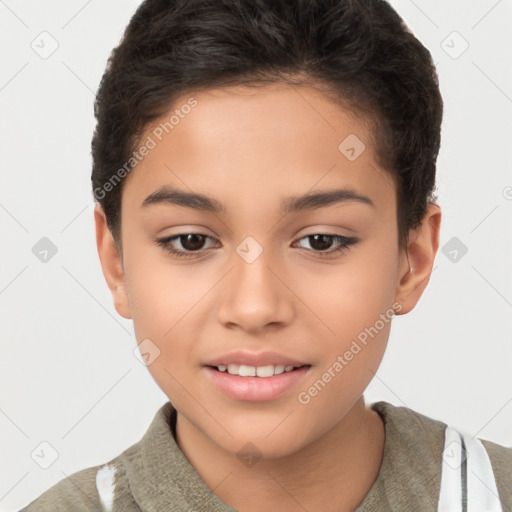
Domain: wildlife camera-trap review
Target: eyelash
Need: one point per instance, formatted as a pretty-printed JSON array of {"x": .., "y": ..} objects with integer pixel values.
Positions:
[{"x": 345, "y": 243}]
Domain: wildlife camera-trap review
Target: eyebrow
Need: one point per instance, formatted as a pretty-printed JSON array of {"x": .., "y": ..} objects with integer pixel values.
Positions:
[{"x": 311, "y": 201}]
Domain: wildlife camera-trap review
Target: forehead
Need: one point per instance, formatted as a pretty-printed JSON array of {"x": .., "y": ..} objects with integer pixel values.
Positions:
[{"x": 242, "y": 144}]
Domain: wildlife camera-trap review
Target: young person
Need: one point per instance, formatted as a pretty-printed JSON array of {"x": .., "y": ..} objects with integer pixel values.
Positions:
[{"x": 264, "y": 175}]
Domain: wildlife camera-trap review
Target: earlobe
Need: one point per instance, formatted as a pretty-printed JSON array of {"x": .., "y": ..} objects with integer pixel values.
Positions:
[
  {"x": 417, "y": 262},
  {"x": 111, "y": 263}
]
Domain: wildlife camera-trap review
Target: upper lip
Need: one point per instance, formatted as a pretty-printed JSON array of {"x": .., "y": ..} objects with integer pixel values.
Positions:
[{"x": 255, "y": 359}]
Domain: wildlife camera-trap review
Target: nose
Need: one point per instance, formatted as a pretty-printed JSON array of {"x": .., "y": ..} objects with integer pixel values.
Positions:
[{"x": 254, "y": 297}]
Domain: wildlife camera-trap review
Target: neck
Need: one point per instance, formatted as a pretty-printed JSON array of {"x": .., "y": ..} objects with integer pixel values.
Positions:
[{"x": 334, "y": 473}]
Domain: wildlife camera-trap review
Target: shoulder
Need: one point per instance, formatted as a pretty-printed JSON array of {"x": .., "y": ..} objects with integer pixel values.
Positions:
[
  {"x": 501, "y": 458},
  {"x": 414, "y": 430},
  {"x": 410, "y": 473},
  {"x": 501, "y": 462},
  {"x": 98, "y": 488},
  {"x": 415, "y": 437},
  {"x": 110, "y": 486},
  {"x": 75, "y": 492}
]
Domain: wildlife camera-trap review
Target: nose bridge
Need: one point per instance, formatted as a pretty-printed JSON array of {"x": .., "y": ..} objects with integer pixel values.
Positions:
[{"x": 253, "y": 296}]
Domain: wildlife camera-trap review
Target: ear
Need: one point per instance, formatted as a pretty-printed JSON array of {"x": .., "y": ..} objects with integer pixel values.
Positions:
[
  {"x": 111, "y": 263},
  {"x": 416, "y": 263}
]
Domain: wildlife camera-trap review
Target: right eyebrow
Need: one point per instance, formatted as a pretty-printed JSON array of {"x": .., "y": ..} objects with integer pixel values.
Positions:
[{"x": 171, "y": 195}]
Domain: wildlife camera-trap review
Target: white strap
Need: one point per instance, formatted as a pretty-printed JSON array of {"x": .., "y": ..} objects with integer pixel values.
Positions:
[
  {"x": 466, "y": 466},
  {"x": 105, "y": 483},
  {"x": 482, "y": 491},
  {"x": 450, "y": 497}
]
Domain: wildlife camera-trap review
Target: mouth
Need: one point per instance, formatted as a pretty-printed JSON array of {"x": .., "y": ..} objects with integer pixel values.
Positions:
[
  {"x": 256, "y": 383},
  {"x": 267, "y": 371}
]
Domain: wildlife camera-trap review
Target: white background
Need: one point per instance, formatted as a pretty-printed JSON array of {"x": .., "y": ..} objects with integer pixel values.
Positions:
[{"x": 68, "y": 374}]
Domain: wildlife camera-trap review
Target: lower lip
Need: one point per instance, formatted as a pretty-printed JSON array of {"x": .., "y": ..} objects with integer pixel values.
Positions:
[{"x": 256, "y": 389}]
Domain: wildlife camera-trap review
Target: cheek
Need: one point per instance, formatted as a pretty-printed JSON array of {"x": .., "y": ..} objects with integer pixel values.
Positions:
[
  {"x": 162, "y": 293},
  {"x": 171, "y": 301},
  {"x": 350, "y": 296},
  {"x": 164, "y": 300},
  {"x": 339, "y": 299},
  {"x": 354, "y": 304},
  {"x": 361, "y": 320}
]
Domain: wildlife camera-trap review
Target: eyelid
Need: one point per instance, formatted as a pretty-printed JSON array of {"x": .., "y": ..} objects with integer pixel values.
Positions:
[
  {"x": 344, "y": 244},
  {"x": 165, "y": 243}
]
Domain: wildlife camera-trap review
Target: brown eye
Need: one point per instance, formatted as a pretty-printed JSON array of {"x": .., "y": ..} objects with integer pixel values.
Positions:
[
  {"x": 192, "y": 244},
  {"x": 192, "y": 241},
  {"x": 321, "y": 243}
]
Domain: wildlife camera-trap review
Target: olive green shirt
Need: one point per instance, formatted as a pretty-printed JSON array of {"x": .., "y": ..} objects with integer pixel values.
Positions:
[{"x": 154, "y": 474}]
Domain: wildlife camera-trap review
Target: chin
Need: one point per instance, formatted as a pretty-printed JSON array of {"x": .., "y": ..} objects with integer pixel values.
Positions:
[
  {"x": 249, "y": 451},
  {"x": 267, "y": 443}
]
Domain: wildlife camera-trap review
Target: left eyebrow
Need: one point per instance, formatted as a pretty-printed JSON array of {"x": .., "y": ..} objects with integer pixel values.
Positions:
[{"x": 320, "y": 199}]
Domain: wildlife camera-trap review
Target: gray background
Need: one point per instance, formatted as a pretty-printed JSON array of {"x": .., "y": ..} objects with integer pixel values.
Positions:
[{"x": 68, "y": 374}]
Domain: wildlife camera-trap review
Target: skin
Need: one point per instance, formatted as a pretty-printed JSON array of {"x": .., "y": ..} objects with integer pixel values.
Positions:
[{"x": 249, "y": 149}]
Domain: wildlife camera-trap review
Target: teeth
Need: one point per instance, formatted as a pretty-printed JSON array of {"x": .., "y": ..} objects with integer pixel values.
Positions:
[
  {"x": 252, "y": 371},
  {"x": 278, "y": 369},
  {"x": 233, "y": 369},
  {"x": 246, "y": 371},
  {"x": 265, "y": 371}
]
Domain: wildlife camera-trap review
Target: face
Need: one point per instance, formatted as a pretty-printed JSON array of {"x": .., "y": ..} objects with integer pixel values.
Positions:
[{"x": 256, "y": 279}]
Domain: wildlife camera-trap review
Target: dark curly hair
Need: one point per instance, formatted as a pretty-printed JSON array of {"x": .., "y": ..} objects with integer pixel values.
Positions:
[{"x": 359, "y": 53}]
